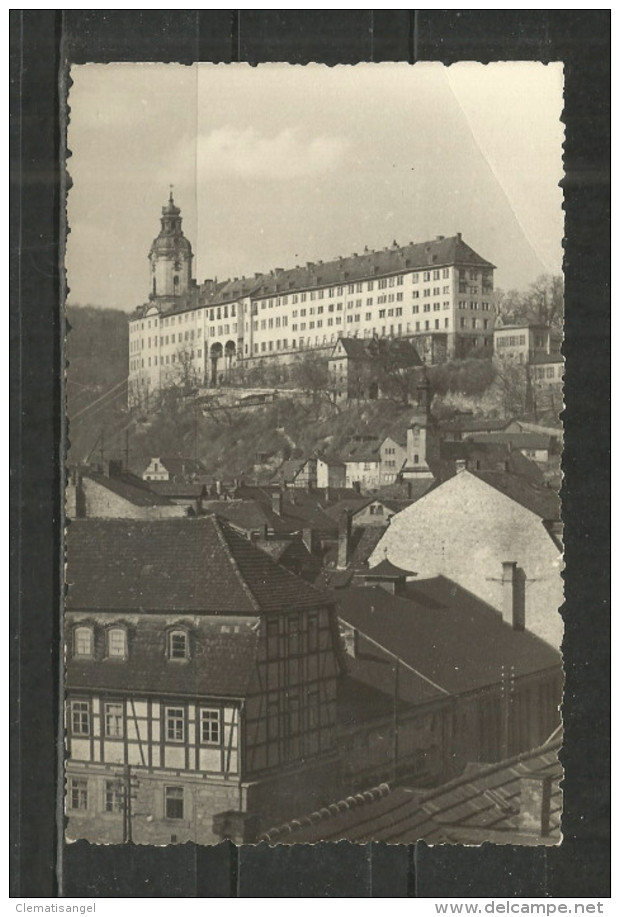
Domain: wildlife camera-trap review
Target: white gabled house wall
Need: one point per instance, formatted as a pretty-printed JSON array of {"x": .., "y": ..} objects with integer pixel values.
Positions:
[{"x": 464, "y": 530}]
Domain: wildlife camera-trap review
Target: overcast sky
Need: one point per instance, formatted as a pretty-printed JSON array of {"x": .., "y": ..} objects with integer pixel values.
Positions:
[{"x": 277, "y": 165}]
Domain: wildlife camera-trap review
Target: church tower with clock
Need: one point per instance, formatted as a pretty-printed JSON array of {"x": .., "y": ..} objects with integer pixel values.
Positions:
[{"x": 170, "y": 257}]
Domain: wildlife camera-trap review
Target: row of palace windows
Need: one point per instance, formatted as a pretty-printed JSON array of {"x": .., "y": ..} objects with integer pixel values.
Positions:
[
  {"x": 117, "y": 646},
  {"x": 114, "y": 797},
  {"x": 175, "y": 722}
]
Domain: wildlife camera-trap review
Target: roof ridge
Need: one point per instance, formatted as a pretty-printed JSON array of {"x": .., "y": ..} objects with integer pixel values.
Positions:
[
  {"x": 219, "y": 525},
  {"x": 493, "y": 767}
]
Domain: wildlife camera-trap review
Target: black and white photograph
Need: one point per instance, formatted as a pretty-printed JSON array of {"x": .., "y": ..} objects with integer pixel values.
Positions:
[{"x": 313, "y": 531}]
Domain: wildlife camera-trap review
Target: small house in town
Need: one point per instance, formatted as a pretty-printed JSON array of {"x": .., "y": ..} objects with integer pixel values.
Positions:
[
  {"x": 115, "y": 494},
  {"x": 468, "y": 526},
  {"x": 523, "y": 343},
  {"x": 393, "y": 453},
  {"x": 201, "y": 684},
  {"x": 362, "y": 460},
  {"x": 174, "y": 468}
]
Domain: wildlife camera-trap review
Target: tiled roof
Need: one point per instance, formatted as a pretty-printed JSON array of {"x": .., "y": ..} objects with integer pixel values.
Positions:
[
  {"x": 486, "y": 799},
  {"x": 441, "y": 630},
  {"x": 399, "y": 437},
  {"x": 541, "y": 500},
  {"x": 515, "y": 440},
  {"x": 276, "y": 548},
  {"x": 347, "y": 505},
  {"x": 481, "y": 804},
  {"x": 366, "y": 266},
  {"x": 178, "y": 489},
  {"x": 247, "y": 515},
  {"x": 355, "y": 348},
  {"x": 130, "y": 488},
  {"x": 183, "y": 565},
  {"x": 370, "y": 537},
  {"x": 484, "y": 455},
  {"x": 397, "y": 352},
  {"x": 222, "y": 655},
  {"x": 404, "y": 493},
  {"x": 361, "y": 451},
  {"x": 385, "y": 569},
  {"x": 371, "y": 264}
]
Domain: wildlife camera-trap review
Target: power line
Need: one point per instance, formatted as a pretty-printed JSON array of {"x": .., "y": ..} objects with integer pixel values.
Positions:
[{"x": 101, "y": 398}]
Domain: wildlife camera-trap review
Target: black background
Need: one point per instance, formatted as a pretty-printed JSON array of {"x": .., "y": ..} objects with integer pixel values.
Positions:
[{"x": 41, "y": 40}]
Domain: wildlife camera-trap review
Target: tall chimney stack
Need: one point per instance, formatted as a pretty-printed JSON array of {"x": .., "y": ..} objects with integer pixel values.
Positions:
[
  {"x": 535, "y": 804},
  {"x": 276, "y": 502},
  {"x": 308, "y": 539},
  {"x": 513, "y": 595},
  {"x": 344, "y": 537}
]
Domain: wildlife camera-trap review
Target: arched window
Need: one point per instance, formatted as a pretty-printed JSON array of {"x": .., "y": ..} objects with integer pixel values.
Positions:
[
  {"x": 83, "y": 641},
  {"x": 178, "y": 644},
  {"x": 175, "y": 281},
  {"x": 117, "y": 643}
]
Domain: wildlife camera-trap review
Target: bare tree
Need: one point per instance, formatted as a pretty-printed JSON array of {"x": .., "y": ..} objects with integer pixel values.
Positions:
[
  {"x": 515, "y": 387},
  {"x": 310, "y": 373},
  {"x": 542, "y": 303},
  {"x": 395, "y": 362},
  {"x": 186, "y": 376}
]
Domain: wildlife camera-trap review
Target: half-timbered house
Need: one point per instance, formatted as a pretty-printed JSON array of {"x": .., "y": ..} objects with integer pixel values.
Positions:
[{"x": 201, "y": 684}]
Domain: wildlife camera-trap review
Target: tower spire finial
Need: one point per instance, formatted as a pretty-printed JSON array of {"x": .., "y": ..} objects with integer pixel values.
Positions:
[{"x": 171, "y": 196}]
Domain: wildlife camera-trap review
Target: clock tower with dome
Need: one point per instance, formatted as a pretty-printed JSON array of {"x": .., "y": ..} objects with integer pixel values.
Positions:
[{"x": 170, "y": 256}]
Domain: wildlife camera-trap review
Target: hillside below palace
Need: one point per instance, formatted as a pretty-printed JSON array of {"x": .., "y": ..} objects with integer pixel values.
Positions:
[{"x": 437, "y": 289}]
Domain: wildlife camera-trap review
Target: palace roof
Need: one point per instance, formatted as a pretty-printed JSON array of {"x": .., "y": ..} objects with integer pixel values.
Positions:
[{"x": 369, "y": 265}]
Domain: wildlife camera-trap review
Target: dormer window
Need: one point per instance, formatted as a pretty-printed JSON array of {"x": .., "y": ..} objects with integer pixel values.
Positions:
[
  {"x": 117, "y": 643},
  {"x": 83, "y": 640},
  {"x": 178, "y": 644}
]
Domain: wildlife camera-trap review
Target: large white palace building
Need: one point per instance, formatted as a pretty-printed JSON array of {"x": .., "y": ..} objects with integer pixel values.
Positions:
[{"x": 437, "y": 288}]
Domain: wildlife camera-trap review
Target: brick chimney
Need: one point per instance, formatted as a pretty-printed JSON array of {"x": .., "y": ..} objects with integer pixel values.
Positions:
[
  {"x": 513, "y": 595},
  {"x": 535, "y": 804},
  {"x": 350, "y": 638},
  {"x": 277, "y": 502},
  {"x": 344, "y": 538},
  {"x": 307, "y": 536},
  {"x": 114, "y": 468}
]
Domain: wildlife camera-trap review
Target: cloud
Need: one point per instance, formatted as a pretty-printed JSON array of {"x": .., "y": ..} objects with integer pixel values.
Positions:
[{"x": 247, "y": 154}]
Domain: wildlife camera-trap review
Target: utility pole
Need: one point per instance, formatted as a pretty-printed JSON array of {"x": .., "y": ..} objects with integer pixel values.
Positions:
[
  {"x": 395, "y": 722},
  {"x": 507, "y": 698},
  {"x": 129, "y": 791},
  {"x": 101, "y": 452},
  {"x": 127, "y": 449}
]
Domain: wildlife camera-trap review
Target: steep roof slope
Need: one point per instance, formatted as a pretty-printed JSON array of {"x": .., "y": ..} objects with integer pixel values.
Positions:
[
  {"x": 195, "y": 565},
  {"x": 481, "y": 804},
  {"x": 220, "y": 663},
  {"x": 449, "y": 636},
  {"x": 130, "y": 488}
]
